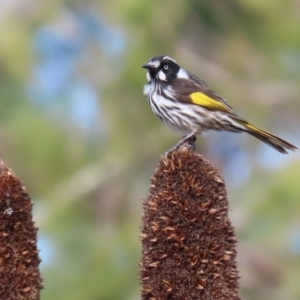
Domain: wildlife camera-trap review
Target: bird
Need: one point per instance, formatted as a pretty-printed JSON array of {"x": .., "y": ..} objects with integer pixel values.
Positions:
[{"x": 186, "y": 104}]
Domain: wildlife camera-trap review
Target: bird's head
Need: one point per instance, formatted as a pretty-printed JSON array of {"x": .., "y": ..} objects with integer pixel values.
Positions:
[{"x": 164, "y": 68}]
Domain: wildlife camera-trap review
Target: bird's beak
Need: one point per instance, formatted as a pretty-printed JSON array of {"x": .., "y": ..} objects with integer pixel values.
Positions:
[{"x": 147, "y": 66}]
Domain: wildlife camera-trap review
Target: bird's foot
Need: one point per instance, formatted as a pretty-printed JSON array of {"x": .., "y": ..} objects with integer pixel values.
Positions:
[{"x": 187, "y": 141}]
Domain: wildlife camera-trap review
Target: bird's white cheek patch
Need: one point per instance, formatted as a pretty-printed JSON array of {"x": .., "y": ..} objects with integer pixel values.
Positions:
[
  {"x": 182, "y": 74},
  {"x": 148, "y": 76},
  {"x": 147, "y": 89},
  {"x": 161, "y": 75}
]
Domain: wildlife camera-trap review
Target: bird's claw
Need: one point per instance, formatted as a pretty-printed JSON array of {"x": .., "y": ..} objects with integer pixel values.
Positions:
[{"x": 188, "y": 141}]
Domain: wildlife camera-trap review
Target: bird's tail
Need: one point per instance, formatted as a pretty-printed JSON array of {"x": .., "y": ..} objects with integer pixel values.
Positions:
[{"x": 279, "y": 144}]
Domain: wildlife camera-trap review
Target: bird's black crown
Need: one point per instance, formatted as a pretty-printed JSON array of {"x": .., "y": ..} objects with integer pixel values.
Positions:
[{"x": 162, "y": 68}]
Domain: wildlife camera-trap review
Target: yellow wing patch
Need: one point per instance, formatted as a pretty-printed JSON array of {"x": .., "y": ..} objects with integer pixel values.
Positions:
[{"x": 206, "y": 101}]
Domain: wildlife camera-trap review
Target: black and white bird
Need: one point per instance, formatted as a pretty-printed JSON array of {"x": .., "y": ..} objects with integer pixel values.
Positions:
[{"x": 186, "y": 104}]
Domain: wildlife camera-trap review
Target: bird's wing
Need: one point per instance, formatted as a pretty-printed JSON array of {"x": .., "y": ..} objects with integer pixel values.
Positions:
[{"x": 196, "y": 91}]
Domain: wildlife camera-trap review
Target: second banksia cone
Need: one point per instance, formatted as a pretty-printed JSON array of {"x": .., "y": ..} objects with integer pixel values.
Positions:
[
  {"x": 188, "y": 241},
  {"x": 19, "y": 260}
]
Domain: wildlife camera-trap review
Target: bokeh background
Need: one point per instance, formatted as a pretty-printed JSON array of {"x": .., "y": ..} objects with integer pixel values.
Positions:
[{"x": 75, "y": 127}]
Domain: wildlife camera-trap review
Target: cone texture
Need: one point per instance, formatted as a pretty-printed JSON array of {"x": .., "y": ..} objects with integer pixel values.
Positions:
[
  {"x": 19, "y": 261},
  {"x": 188, "y": 241}
]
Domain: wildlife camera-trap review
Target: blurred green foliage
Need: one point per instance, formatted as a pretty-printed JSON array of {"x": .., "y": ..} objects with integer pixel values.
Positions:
[{"x": 88, "y": 182}]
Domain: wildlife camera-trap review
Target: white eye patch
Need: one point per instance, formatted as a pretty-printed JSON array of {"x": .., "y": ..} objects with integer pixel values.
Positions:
[{"x": 169, "y": 58}]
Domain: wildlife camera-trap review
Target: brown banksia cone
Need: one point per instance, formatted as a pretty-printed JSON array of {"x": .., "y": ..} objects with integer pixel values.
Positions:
[
  {"x": 19, "y": 260},
  {"x": 187, "y": 238}
]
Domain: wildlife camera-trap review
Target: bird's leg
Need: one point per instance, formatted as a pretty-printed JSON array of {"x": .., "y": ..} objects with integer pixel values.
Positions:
[
  {"x": 191, "y": 142},
  {"x": 190, "y": 136}
]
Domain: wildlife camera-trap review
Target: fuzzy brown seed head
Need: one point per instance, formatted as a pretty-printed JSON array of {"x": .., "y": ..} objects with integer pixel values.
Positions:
[
  {"x": 19, "y": 261},
  {"x": 188, "y": 241}
]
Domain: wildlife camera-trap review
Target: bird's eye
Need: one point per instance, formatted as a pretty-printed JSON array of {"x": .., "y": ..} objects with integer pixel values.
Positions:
[{"x": 166, "y": 67}]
